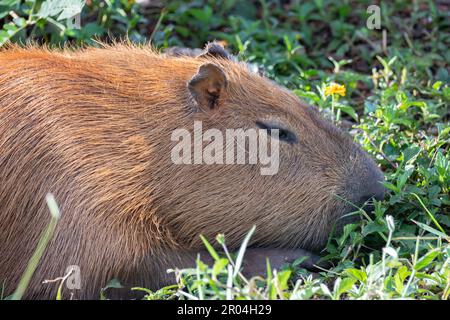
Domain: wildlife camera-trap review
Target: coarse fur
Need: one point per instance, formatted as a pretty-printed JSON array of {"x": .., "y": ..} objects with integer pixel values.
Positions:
[{"x": 93, "y": 127}]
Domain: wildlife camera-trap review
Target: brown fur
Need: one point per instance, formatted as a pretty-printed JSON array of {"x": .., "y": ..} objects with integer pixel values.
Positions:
[{"x": 93, "y": 127}]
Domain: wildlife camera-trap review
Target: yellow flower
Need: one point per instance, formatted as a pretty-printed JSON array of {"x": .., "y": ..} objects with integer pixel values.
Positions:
[{"x": 335, "y": 89}]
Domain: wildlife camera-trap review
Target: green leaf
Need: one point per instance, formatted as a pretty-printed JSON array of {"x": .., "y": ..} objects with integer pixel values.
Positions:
[
  {"x": 210, "y": 248},
  {"x": 9, "y": 3},
  {"x": 399, "y": 279},
  {"x": 411, "y": 153},
  {"x": 64, "y": 9},
  {"x": 299, "y": 261},
  {"x": 345, "y": 286},
  {"x": 348, "y": 110},
  {"x": 20, "y": 22},
  {"x": 426, "y": 260},
  {"x": 359, "y": 275},
  {"x": 431, "y": 230},
  {"x": 219, "y": 266},
  {"x": 203, "y": 15},
  {"x": 283, "y": 278},
  {"x": 391, "y": 187},
  {"x": 113, "y": 284},
  {"x": 240, "y": 256}
]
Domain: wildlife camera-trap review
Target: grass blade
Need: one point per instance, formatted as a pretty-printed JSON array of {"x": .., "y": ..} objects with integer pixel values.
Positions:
[{"x": 43, "y": 241}]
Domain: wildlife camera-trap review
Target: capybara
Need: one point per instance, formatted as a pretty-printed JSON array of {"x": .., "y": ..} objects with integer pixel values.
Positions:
[{"x": 93, "y": 127}]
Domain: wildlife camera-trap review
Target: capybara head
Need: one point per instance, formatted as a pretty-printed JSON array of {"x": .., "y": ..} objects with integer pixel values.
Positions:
[{"x": 322, "y": 176}]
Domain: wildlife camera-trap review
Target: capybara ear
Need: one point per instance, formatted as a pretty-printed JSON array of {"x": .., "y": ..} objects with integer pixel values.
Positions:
[
  {"x": 214, "y": 49},
  {"x": 207, "y": 86}
]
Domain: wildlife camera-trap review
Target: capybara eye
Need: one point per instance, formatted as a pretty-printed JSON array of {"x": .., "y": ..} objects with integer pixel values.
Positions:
[{"x": 283, "y": 134}]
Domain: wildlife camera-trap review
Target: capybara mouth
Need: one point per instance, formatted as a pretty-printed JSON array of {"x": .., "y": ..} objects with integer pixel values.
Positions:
[
  {"x": 255, "y": 260},
  {"x": 352, "y": 216}
]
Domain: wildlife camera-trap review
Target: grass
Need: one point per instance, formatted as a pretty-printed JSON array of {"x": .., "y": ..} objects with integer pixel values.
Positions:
[
  {"x": 396, "y": 105},
  {"x": 40, "y": 249}
]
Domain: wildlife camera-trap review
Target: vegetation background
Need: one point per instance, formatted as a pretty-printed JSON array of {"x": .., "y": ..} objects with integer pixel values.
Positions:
[{"x": 395, "y": 104}]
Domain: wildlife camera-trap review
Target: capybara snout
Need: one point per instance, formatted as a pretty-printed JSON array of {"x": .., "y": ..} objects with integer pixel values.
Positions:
[
  {"x": 368, "y": 184},
  {"x": 363, "y": 185},
  {"x": 95, "y": 127}
]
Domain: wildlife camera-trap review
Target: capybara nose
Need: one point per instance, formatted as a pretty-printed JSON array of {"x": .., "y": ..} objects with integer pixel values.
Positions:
[
  {"x": 376, "y": 191},
  {"x": 372, "y": 189}
]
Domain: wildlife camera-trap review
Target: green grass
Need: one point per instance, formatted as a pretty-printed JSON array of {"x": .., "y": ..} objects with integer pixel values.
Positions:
[{"x": 396, "y": 106}]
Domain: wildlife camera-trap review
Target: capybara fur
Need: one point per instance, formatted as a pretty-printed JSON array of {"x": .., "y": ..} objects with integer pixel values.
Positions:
[{"x": 93, "y": 127}]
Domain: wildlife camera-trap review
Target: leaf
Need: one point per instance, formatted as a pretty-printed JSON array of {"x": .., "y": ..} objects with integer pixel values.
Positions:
[
  {"x": 59, "y": 294},
  {"x": 390, "y": 251},
  {"x": 313, "y": 97},
  {"x": 411, "y": 153},
  {"x": 203, "y": 15},
  {"x": 64, "y": 9},
  {"x": 113, "y": 284},
  {"x": 430, "y": 229},
  {"x": 299, "y": 261},
  {"x": 348, "y": 110},
  {"x": 9, "y": 3},
  {"x": 437, "y": 85},
  {"x": 345, "y": 286},
  {"x": 372, "y": 227},
  {"x": 219, "y": 265},
  {"x": 401, "y": 181},
  {"x": 369, "y": 107},
  {"x": 359, "y": 275},
  {"x": 283, "y": 278},
  {"x": 406, "y": 122},
  {"x": 20, "y": 22},
  {"x": 426, "y": 260},
  {"x": 210, "y": 248},
  {"x": 399, "y": 279},
  {"x": 72, "y": 8},
  {"x": 325, "y": 290},
  {"x": 271, "y": 288},
  {"x": 240, "y": 256},
  {"x": 49, "y": 8},
  {"x": 441, "y": 164},
  {"x": 430, "y": 215},
  {"x": 391, "y": 187}
]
